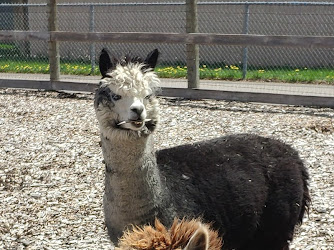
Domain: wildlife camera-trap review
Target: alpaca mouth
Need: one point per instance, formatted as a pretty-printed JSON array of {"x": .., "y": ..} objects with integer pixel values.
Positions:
[{"x": 136, "y": 123}]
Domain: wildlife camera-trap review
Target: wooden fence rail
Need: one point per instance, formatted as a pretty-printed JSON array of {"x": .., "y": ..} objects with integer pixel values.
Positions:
[
  {"x": 191, "y": 38},
  {"x": 182, "y": 38},
  {"x": 176, "y": 38}
]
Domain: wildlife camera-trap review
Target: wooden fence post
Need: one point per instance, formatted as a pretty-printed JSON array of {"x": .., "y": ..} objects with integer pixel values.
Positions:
[
  {"x": 192, "y": 49},
  {"x": 54, "y": 58}
]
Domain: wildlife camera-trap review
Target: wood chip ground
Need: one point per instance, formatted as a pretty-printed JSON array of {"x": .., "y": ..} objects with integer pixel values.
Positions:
[{"x": 51, "y": 171}]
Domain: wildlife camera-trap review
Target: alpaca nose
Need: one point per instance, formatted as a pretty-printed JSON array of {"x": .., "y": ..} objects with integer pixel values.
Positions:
[{"x": 138, "y": 110}]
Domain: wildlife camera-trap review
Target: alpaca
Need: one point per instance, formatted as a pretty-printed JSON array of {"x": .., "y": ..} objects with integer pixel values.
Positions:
[
  {"x": 253, "y": 189},
  {"x": 183, "y": 234}
]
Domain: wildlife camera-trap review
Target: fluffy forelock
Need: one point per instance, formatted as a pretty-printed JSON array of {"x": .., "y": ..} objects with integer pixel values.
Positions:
[{"x": 132, "y": 80}]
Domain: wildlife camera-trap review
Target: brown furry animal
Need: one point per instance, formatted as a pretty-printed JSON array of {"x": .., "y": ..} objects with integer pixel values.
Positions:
[{"x": 183, "y": 234}]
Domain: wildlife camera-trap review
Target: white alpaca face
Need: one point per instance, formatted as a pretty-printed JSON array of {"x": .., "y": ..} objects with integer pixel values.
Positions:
[
  {"x": 124, "y": 106},
  {"x": 130, "y": 109},
  {"x": 126, "y": 99},
  {"x": 132, "y": 113}
]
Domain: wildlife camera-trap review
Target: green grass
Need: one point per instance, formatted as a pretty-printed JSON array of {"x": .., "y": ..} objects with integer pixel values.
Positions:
[
  {"x": 7, "y": 46},
  {"x": 304, "y": 75},
  {"x": 231, "y": 72},
  {"x": 43, "y": 67}
]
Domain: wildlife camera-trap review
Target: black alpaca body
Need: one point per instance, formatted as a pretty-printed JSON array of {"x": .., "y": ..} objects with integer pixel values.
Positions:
[{"x": 253, "y": 189}]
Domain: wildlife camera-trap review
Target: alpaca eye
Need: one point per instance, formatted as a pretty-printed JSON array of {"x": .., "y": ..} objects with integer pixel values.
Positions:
[
  {"x": 148, "y": 96},
  {"x": 116, "y": 97}
]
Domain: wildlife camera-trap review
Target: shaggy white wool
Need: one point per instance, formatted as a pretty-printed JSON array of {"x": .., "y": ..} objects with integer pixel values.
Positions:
[{"x": 131, "y": 80}]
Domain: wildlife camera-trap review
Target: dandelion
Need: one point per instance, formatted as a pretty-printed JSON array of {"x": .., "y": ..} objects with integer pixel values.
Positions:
[{"x": 297, "y": 70}]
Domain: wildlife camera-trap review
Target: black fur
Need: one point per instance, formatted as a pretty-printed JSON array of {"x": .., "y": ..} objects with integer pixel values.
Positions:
[
  {"x": 151, "y": 59},
  {"x": 253, "y": 189},
  {"x": 103, "y": 95},
  {"x": 105, "y": 63}
]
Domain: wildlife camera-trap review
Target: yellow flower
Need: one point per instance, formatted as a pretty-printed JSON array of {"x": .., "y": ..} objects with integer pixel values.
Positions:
[{"x": 297, "y": 70}]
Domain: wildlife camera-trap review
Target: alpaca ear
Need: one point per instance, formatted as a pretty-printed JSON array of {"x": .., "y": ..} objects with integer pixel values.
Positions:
[
  {"x": 199, "y": 241},
  {"x": 152, "y": 59},
  {"x": 104, "y": 62}
]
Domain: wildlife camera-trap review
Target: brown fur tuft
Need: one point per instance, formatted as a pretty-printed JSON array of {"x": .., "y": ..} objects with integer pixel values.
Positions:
[{"x": 159, "y": 238}]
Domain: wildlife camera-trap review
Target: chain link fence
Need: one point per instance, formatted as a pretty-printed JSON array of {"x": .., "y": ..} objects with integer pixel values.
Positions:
[{"x": 263, "y": 18}]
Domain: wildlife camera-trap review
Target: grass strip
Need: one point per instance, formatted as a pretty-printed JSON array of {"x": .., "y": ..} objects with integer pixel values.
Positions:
[{"x": 231, "y": 72}]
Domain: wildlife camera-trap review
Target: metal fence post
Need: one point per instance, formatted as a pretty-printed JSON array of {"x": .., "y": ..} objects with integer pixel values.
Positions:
[
  {"x": 54, "y": 58},
  {"x": 192, "y": 49},
  {"x": 92, "y": 51},
  {"x": 245, "y": 49}
]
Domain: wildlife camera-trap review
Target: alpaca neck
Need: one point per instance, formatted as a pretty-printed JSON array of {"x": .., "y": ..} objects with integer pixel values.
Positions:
[{"x": 133, "y": 188}]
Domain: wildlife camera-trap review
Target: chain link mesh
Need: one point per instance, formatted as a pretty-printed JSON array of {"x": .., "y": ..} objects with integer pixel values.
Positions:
[{"x": 309, "y": 18}]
